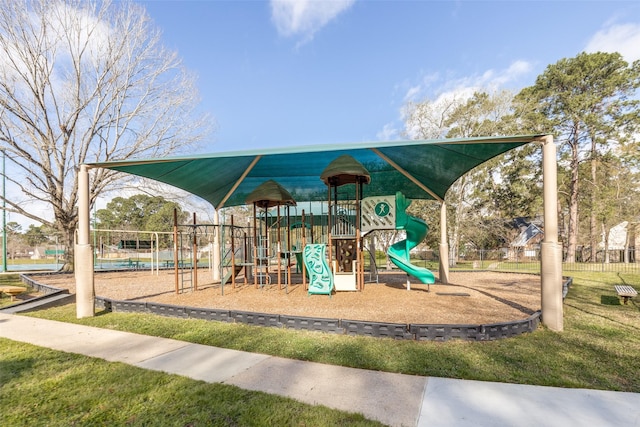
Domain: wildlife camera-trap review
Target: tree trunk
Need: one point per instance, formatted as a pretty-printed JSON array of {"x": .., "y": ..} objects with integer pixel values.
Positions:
[
  {"x": 593, "y": 223},
  {"x": 572, "y": 238},
  {"x": 69, "y": 252},
  {"x": 605, "y": 235},
  {"x": 458, "y": 193}
]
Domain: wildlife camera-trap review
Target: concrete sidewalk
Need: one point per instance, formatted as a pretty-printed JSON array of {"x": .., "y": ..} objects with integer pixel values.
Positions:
[{"x": 393, "y": 399}]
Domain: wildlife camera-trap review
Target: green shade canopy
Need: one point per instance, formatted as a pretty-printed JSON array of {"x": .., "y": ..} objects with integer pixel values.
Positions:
[
  {"x": 421, "y": 169},
  {"x": 269, "y": 194}
]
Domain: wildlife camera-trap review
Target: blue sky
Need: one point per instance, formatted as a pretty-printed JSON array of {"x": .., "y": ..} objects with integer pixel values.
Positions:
[{"x": 290, "y": 73}]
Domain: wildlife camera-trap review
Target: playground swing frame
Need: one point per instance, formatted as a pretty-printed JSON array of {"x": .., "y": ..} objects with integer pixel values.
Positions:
[{"x": 135, "y": 232}]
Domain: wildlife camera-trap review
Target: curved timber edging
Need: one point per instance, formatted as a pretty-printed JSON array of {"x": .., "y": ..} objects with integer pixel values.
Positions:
[
  {"x": 418, "y": 332},
  {"x": 46, "y": 290},
  {"x": 401, "y": 331}
]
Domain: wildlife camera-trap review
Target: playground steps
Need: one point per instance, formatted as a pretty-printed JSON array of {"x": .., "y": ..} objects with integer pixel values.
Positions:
[
  {"x": 39, "y": 303},
  {"x": 227, "y": 277}
]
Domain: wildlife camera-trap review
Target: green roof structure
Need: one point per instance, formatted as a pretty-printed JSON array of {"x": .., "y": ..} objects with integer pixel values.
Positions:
[{"x": 422, "y": 169}]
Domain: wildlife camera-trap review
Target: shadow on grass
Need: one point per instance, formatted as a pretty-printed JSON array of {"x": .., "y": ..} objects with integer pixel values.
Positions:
[
  {"x": 102, "y": 312},
  {"x": 15, "y": 368},
  {"x": 609, "y": 300}
]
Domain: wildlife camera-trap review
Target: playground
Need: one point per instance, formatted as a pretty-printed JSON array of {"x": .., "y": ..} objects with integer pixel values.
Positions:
[
  {"x": 470, "y": 298},
  {"x": 363, "y": 189}
]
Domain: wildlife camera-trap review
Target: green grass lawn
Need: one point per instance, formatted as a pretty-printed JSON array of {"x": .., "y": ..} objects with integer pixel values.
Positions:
[
  {"x": 598, "y": 348},
  {"x": 41, "y": 387}
]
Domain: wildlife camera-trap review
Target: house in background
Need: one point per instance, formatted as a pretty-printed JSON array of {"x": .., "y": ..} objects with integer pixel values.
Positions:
[
  {"x": 40, "y": 252},
  {"x": 621, "y": 244},
  {"x": 37, "y": 253},
  {"x": 527, "y": 244}
]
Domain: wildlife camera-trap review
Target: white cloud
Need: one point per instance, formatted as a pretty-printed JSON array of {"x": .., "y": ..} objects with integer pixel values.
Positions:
[
  {"x": 304, "y": 18},
  {"x": 438, "y": 86},
  {"x": 449, "y": 89},
  {"x": 416, "y": 91},
  {"x": 622, "y": 38},
  {"x": 389, "y": 132}
]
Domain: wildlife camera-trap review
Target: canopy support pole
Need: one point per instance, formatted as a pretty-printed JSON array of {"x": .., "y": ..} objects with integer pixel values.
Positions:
[
  {"x": 444, "y": 245},
  {"x": 550, "y": 250},
  {"x": 216, "y": 246},
  {"x": 83, "y": 262}
]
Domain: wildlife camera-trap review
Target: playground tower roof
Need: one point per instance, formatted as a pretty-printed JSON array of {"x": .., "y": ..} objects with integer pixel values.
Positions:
[
  {"x": 421, "y": 169},
  {"x": 269, "y": 194}
]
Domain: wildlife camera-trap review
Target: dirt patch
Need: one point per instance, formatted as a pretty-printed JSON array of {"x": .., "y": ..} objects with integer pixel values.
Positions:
[{"x": 470, "y": 298}]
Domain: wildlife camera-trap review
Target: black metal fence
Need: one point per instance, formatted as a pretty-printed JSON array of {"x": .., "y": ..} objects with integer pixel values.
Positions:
[{"x": 528, "y": 260}]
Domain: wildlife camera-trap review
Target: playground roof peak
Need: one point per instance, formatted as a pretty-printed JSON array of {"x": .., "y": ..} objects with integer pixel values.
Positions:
[
  {"x": 345, "y": 170},
  {"x": 269, "y": 194},
  {"x": 421, "y": 169}
]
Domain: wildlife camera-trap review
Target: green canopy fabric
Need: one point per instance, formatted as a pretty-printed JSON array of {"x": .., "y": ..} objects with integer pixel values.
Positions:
[{"x": 421, "y": 169}]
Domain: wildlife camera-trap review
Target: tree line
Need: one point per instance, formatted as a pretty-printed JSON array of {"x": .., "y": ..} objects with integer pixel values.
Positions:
[
  {"x": 139, "y": 212},
  {"x": 590, "y": 104},
  {"x": 21, "y": 243}
]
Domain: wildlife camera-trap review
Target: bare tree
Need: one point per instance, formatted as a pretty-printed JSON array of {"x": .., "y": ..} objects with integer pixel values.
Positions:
[
  {"x": 81, "y": 82},
  {"x": 459, "y": 117},
  {"x": 428, "y": 119}
]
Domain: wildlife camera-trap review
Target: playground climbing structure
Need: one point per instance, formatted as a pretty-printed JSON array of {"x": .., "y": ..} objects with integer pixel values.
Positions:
[
  {"x": 345, "y": 177},
  {"x": 267, "y": 250}
]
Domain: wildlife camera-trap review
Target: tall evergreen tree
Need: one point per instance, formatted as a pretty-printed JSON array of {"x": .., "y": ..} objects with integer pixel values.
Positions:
[{"x": 589, "y": 102}]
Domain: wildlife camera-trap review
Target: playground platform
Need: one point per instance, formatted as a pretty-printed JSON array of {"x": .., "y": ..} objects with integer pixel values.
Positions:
[{"x": 393, "y": 399}]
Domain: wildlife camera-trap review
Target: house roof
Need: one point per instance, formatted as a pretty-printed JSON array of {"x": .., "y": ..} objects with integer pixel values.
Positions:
[{"x": 526, "y": 235}]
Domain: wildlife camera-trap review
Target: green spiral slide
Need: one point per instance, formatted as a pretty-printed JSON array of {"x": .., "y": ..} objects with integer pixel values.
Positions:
[{"x": 416, "y": 230}]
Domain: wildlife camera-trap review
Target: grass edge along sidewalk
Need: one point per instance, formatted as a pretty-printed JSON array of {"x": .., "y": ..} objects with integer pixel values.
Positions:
[
  {"x": 35, "y": 384},
  {"x": 597, "y": 350}
]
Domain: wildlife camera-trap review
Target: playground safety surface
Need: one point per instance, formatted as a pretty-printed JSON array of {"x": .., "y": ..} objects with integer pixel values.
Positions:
[{"x": 470, "y": 298}]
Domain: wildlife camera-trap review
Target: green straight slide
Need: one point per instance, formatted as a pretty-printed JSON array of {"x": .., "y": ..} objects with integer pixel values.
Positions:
[{"x": 416, "y": 230}]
